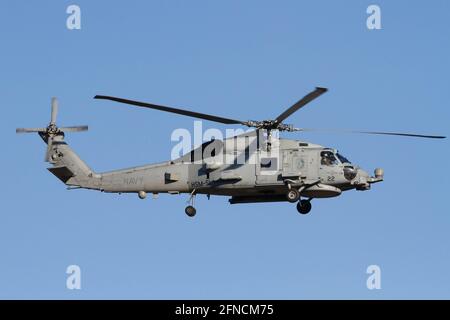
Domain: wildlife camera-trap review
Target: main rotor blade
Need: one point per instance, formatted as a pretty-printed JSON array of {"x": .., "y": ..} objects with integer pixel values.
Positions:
[
  {"x": 173, "y": 110},
  {"x": 27, "y": 130},
  {"x": 415, "y": 135},
  {"x": 74, "y": 129},
  {"x": 303, "y": 101},
  {"x": 54, "y": 110}
]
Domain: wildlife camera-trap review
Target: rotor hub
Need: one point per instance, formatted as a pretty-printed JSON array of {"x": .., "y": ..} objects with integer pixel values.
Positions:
[
  {"x": 52, "y": 129},
  {"x": 270, "y": 125}
]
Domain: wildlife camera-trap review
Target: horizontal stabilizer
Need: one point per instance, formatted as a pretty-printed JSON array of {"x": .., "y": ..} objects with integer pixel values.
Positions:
[{"x": 63, "y": 173}]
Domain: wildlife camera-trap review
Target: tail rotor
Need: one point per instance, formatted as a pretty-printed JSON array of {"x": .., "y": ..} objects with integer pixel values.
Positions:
[{"x": 52, "y": 130}]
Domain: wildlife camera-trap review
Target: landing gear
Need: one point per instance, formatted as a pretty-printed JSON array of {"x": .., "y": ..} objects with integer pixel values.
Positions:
[
  {"x": 293, "y": 195},
  {"x": 190, "y": 211},
  {"x": 304, "y": 206}
]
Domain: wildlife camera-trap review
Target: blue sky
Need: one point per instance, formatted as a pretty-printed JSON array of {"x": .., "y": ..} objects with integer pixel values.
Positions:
[{"x": 241, "y": 59}]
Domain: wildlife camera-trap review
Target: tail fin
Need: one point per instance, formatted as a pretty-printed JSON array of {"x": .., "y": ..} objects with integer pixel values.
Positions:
[{"x": 67, "y": 166}]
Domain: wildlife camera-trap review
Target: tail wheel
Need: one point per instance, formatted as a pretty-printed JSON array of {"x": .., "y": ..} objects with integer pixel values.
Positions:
[
  {"x": 190, "y": 211},
  {"x": 304, "y": 206},
  {"x": 293, "y": 195}
]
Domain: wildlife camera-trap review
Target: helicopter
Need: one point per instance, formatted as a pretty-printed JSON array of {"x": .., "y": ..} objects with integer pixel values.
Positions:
[{"x": 252, "y": 167}]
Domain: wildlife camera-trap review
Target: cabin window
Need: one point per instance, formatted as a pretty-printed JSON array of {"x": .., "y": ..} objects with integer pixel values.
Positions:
[{"x": 328, "y": 158}]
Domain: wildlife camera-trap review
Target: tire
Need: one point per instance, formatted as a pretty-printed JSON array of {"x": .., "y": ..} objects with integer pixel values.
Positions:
[
  {"x": 304, "y": 206},
  {"x": 293, "y": 195},
  {"x": 190, "y": 211}
]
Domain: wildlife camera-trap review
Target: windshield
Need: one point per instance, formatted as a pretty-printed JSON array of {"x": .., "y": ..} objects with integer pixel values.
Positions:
[
  {"x": 328, "y": 158},
  {"x": 342, "y": 158}
]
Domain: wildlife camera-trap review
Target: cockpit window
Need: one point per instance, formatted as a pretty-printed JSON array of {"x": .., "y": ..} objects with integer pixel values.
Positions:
[
  {"x": 328, "y": 158},
  {"x": 342, "y": 158}
]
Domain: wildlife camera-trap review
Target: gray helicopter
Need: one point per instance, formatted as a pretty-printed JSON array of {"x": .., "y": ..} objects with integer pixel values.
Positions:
[{"x": 250, "y": 167}]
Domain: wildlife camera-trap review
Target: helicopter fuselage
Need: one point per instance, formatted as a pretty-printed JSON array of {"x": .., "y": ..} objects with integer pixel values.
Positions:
[{"x": 263, "y": 176}]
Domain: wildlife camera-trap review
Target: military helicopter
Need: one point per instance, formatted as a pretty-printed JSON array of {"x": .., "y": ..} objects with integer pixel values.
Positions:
[{"x": 250, "y": 167}]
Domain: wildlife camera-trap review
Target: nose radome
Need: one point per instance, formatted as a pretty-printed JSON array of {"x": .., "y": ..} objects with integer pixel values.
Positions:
[{"x": 379, "y": 173}]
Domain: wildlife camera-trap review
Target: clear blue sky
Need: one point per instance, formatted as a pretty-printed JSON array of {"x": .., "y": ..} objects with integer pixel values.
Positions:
[{"x": 242, "y": 59}]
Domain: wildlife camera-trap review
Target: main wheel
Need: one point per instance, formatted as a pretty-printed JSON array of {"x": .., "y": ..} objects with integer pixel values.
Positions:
[
  {"x": 304, "y": 206},
  {"x": 293, "y": 195},
  {"x": 190, "y": 211}
]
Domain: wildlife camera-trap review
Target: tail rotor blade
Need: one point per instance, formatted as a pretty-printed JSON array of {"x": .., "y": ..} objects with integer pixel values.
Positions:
[
  {"x": 54, "y": 110},
  {"x": 28, "y": 130},
  {"x": 74, "y": 129}
]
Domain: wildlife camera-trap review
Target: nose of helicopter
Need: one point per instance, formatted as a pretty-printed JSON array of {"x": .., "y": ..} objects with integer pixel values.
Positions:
[{"x": 363, "y": 180}]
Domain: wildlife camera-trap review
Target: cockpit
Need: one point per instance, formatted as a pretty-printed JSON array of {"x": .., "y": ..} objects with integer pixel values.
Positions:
[
  {"x": 330, "y": 158},
  {"x": 327, "y": 158}
]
